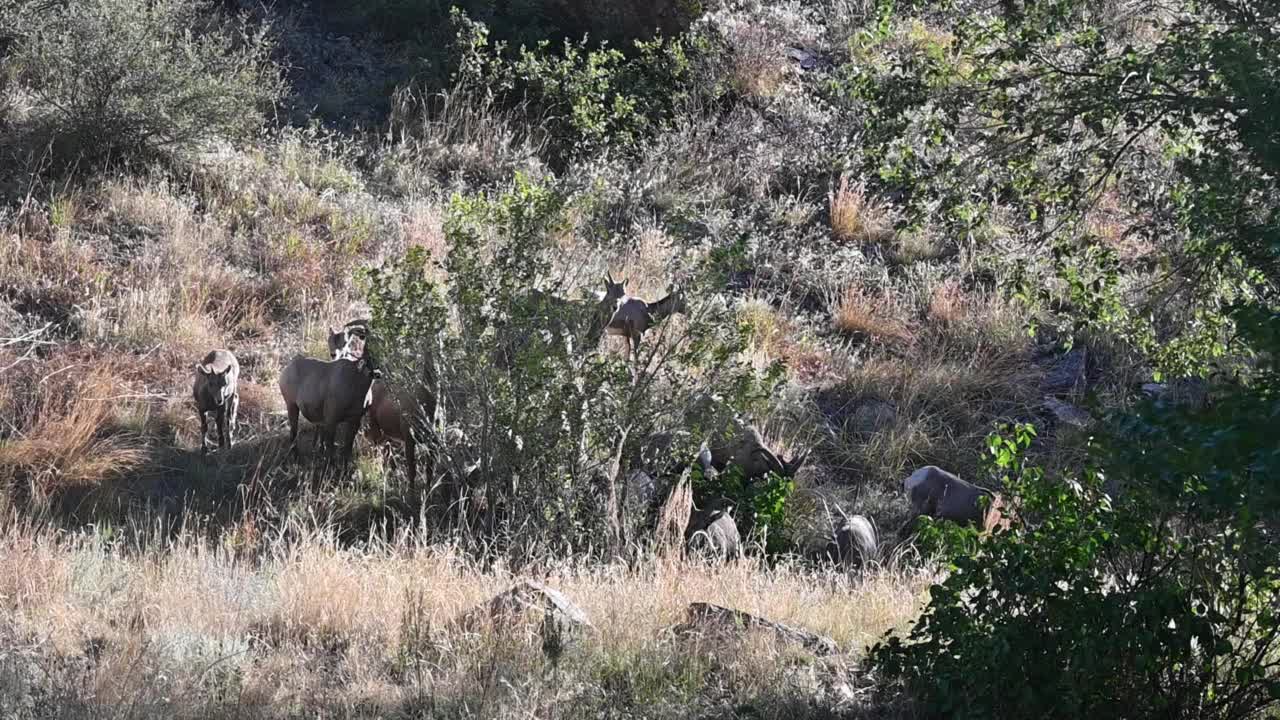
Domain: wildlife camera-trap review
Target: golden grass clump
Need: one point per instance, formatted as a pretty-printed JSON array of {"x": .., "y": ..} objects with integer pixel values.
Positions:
[
  {"x": 856, "y": 217},
  {"x": 879, "y": 318},
  {"x": 64, "y": 437}
]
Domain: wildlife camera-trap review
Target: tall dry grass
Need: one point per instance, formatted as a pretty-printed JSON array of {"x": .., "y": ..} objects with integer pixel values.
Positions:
[
  {"x": 857, "y": 217},
  {"x": 312, "y": 629}
]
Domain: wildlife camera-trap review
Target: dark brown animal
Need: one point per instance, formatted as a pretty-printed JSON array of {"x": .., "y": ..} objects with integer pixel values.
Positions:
[
  {"x": 939, "y": 494},
  {"x": 746, "y": 450},
  {"x": 216, "y": 390},
  {"x": 328, "y": 394}
]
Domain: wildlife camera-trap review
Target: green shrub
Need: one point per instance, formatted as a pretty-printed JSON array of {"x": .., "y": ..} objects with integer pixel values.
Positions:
[
  {"x": 544, "y": 426},
  {"x": 1162, "y": 604},
  {"x": 115, "y": 78}
]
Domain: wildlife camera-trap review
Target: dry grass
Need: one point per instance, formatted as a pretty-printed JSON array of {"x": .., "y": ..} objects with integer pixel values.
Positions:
[
  {"x": 863, "y": 315},
  {"x": 312, "y": 629},
  {"x": 63, "y": 437},
  {"x": 857, "y": 218}
]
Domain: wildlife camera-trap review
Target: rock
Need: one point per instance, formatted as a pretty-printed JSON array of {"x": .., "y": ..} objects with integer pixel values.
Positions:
[
  {"x": 1067, "y": 413},
  {"x": 808, "y": 59},
  {"x": 706, "y": 618},
  {"x": 527, "y": 601},
  {"x": 1191, "y": 392},
  {"x": 641, "y": 492},
  {"x": 1067, "y": 375}
]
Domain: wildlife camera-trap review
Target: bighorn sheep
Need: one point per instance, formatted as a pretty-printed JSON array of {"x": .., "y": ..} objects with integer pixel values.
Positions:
[
  {"x": 329, "y": 393},
  {"x": 746, "y": 450},
  {"x": 563, "y": 315},
  {"x": 937, "y": 493},
  {"x": 632, "y": 317},
  {"x": 855, "y": 542},
  {"x": 712, "y": 528},
  {"x": 391, "y": 418},
  {"x": 216, "y": 390},
  {"x": 338, "y": 337}
]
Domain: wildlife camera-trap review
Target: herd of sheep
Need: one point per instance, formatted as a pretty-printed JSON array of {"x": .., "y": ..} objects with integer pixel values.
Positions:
[{"x": 347, "y": 390}]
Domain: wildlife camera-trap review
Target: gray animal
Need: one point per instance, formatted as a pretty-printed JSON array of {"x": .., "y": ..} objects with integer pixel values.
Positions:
[
  {"x": 939, "y": 494},
  {"x": 216, "y": 390},
  {"x": 855, "y": 542},
  {"x": 338, "y": 337},
  {"x": 586, "y": 317},
  {"x": 746, "y": 450},
  {"x": 712, "y": 529},
  {"x": 329, "y": 393},
  {"x": 632, "y": 317}
]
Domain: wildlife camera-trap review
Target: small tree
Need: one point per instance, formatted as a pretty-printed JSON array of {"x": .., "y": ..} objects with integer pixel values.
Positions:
[
  {"x": 542, "y": 430},
  {"x": 115, "y": 78}
]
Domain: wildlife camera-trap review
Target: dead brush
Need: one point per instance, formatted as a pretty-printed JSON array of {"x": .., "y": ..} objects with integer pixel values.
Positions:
[
  {"x": 878, "y": 318},
  {"x": 64, "y": 437},
  {"x": 856, "y": 217}
]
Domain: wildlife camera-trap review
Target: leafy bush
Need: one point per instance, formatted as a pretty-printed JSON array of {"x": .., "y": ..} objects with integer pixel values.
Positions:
[
  {"x": 538, "y": 430},
  {"x": 589, "y": 98},
  {"x": 762, "y": 505},
  {"x": 1162, "y": 604},
  {"x": 114, "y": 78}
]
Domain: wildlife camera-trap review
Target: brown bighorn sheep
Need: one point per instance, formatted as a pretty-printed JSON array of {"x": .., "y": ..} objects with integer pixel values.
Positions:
[
  {"x": 216, "y": 390},
  {"x": 391, "y": 418},
  {"x": 632, "y": 317},
  {"x": 562, "y": 315},
  {"x": 329, "y": 393},
  {"x": 712, "y": 528},
  {"x": 937, "y": 493},
  {"x": 746, "y": 450}
]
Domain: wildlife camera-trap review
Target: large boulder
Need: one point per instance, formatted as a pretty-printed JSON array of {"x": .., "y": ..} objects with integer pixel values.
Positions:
[
  {"x": 1067, "y": 374},
  {"x": 528, "y": 605},
  {"x": 708, "y": 620}
]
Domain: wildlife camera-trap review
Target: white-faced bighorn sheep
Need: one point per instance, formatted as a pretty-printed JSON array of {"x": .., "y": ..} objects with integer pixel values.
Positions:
[
  {"x": 338, "y": 337},
  {"x": 632, "y": 317},
  {"x": 328, "y": 394},
  {"x": 216, "y": 390},
  {"x": 939, "y": 494}
]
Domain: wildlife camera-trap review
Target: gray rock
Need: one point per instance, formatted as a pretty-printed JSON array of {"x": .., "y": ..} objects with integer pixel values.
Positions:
[
  {"x": 708, "y": 619},
  {"x": 527, "y": 603},
  {"x": 1067, "y": 375},
  {"x": 872, "y": 416},
  {"x": 1067, "y": 413}
]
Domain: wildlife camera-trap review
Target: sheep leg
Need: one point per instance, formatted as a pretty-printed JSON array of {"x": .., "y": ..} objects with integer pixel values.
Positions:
[
  {"x": 293, "y": 430},
  {"x": 232, "y": 409},
  {"x": 220, "y": 417},
  {"x": 348, "y": 445},
  {"x": 204, "y": 433},
  {"x": 410, "y": 459}
]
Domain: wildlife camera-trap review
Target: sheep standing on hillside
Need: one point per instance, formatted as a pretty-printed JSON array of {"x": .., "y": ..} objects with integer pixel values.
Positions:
[
  {"x": 216, "y": 391},
  {"x": 329, "y": 394},
  {"x": 632, "y": 317},
  {"x": 939, "y": 494}
]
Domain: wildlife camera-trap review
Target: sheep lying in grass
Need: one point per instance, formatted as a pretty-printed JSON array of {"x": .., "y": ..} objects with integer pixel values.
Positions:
[
  {"x": 216, "y": 391},
  {"x": 632, "y": 317},
  {"x": 329, "y": 393},
  {"x": 939, "y": 494}
]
